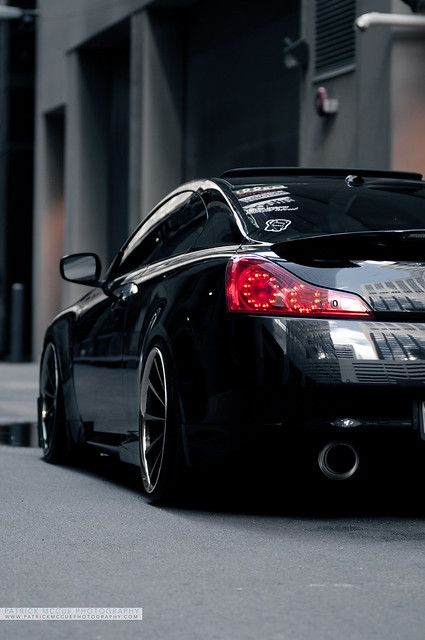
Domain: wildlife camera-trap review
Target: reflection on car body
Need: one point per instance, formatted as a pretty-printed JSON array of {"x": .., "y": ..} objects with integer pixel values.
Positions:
[{"x": 221, "y": 320}]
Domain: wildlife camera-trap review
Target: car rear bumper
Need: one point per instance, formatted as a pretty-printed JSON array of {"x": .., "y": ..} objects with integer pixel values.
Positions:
[{"x": 315, "y": 379}]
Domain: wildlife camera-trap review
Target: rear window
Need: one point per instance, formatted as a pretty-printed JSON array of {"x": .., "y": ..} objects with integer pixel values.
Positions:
[{"x": 312, "y": 207}]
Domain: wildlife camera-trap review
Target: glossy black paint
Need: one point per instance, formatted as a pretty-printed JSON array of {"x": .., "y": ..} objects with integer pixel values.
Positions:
[{"x": 236, "y": 374}]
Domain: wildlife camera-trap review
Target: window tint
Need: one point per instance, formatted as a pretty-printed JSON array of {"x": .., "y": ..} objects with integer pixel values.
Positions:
[
  {"x": 181, "y": 229},
  {"x": 310, "y": 207},
  {"x": 221, "y": 228},
  {"x": 170, "y": 230}
]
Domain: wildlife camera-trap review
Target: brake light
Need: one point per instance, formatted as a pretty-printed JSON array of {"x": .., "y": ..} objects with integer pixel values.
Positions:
[{"x": 257, "y": 285}]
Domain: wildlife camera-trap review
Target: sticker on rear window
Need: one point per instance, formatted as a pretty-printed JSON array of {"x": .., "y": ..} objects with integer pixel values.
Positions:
[
  {"x": 269, "y": 204},
  {"x": 255, "y": 210},
  {"x": 277, "y": 224},
  {"x": 263, "y": 196},
  {"x": 260, "y": 189}
]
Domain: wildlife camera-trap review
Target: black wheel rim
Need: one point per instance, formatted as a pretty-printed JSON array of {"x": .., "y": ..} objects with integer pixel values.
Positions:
[
  {"x": 153, "y": 419},
  {"x": 49, "y": 378}
]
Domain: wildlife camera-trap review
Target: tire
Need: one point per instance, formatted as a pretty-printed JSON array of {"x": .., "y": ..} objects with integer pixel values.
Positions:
[
  {"x": 160, "y": 439},
  {"x": 51, "y": 417}
]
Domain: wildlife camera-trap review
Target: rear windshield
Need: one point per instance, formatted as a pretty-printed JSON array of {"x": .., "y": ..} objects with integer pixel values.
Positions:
[{"x": 317, "y": 206}]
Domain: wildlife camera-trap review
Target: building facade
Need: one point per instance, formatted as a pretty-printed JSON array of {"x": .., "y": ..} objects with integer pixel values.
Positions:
[{"x": 137, "y": 96}]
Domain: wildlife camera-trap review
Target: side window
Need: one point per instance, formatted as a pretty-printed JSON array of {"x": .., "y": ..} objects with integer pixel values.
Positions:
[
  {"x": 221, "y": 229},
  {"x": 182, "y": 227},
  {"x": 170, "y": 230},
  {"x": 145, "y": 245}
]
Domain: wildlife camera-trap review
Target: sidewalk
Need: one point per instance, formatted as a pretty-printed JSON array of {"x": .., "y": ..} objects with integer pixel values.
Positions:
[{"x": 18, "y": 392}]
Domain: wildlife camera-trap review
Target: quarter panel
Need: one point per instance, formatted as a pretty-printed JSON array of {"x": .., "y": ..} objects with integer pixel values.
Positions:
[
  {"x": 97, "y": 361},
  {"x": 183, "y": 307},
  {"x": 61, "y": 331}
]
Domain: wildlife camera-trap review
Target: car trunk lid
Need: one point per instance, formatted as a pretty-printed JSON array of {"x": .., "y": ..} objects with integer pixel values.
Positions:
[{"x": 386, "y": 268}]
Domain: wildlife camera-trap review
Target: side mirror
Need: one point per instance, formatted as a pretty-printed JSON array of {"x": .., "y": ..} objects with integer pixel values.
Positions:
[{"x": 82, "y": 268}]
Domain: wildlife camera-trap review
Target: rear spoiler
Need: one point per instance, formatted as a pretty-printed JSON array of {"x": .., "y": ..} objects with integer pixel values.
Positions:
[
  {"x": 277, "y": 172},
  {"x": 406, "y": 245}
]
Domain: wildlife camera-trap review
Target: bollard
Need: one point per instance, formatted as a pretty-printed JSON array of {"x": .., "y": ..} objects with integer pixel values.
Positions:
[{"x": 17, "y": 322}]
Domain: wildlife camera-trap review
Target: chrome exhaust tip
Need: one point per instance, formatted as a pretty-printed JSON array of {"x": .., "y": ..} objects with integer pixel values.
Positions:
[{"x": 338, "y": 460}]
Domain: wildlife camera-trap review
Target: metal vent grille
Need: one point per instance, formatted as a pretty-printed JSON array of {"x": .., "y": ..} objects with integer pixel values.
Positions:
[
  {"x": 335, "y": 36},
  {"x": 372, "y": 372}
]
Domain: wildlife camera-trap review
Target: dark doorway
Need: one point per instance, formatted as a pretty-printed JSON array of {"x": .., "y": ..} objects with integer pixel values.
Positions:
[
  {"x": 242, "y": 104},
  {"x": 17, "y": 70}
]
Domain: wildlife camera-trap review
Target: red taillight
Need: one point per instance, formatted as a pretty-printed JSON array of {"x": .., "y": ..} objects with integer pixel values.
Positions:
[{"x": 257, "y": 285}]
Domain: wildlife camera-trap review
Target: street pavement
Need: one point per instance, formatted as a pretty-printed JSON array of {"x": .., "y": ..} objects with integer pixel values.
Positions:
[
  {"x": 18, "y": 392},
  {"x": 323, "y": 566}
]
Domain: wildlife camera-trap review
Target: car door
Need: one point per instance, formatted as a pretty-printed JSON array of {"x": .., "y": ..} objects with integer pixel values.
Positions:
[
  {"x": 97, "y": 359},
  {"x": 182, "y": 220},
  {"x": 101, "y": 381}
]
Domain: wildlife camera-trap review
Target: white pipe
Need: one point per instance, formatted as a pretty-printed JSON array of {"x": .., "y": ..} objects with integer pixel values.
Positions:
[
  {"x": 10, "y": 13},
  {"x": 375, "y": 19}
]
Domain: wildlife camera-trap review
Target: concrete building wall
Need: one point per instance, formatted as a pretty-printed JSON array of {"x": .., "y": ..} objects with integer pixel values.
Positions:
[
  {"x": 49, "y": 214},
  {"x": 204, "y": 88},
  {"x": 159, "y": 158},
  {"x": 135, "y": 96},
  {"x": 381, "y": 117},
  {"x": 407, "y": 96},
  {"x": 74, "y": 79},
  {"x": 63, "y": 27},
  {"x": 358, "y": 135}
]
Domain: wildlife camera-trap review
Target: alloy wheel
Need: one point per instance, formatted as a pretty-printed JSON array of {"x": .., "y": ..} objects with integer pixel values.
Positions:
[
  {"x": 49, "y": 384},
  {"x": 153, "y": 419}
]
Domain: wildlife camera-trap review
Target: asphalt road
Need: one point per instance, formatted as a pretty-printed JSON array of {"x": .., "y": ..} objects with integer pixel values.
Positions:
[
  {"x": 83, "y": 536},
  {"x": 18, "y": 392},
  {"x": 318, "y": 565}
]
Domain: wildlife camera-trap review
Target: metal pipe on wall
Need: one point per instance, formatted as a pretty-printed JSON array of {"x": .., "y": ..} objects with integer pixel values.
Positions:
[{"x": 376, "y": 19}]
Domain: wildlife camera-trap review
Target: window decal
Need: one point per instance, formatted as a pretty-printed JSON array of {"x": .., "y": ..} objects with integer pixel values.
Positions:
[
  {"x": 277, "y": 225},
  {"x": 263, "y": 196},
  {"x": 268, "y": 209}
]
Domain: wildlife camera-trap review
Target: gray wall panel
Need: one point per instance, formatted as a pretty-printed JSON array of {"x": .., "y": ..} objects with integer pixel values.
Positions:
[{"x": 359, "y": 135}]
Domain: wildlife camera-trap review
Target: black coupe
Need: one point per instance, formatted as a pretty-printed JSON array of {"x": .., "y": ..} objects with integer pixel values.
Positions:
[{"x": 271, "y": 305}]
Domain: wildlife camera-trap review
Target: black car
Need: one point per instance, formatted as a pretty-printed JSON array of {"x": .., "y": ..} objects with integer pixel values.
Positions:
[{"x": 271, "y": 308}]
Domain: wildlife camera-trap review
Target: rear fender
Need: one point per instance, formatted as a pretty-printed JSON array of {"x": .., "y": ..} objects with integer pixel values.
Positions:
[{"x": 60, "y": 333}]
